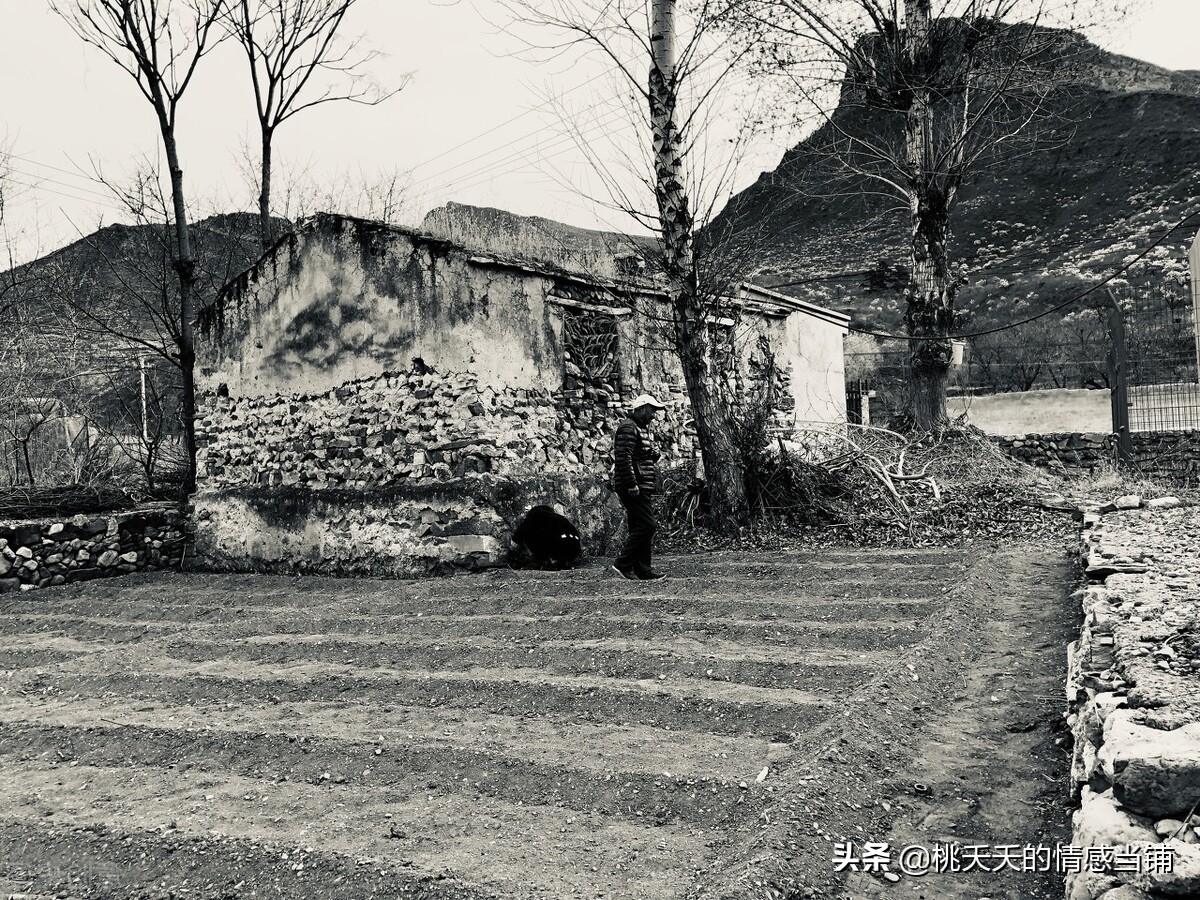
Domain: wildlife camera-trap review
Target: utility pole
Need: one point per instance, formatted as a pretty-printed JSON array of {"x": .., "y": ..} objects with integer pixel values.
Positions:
[{"x": 1118, "y": 378}]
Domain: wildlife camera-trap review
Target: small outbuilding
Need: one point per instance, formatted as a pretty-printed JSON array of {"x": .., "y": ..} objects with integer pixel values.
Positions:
[{"x": 377, "y": 400}]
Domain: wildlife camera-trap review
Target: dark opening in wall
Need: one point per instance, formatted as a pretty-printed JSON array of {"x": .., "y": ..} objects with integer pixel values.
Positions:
[{"x": 590, "y": 351}]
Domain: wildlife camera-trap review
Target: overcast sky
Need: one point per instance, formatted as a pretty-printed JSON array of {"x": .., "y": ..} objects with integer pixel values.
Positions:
[{"x": 66, "y": 108}]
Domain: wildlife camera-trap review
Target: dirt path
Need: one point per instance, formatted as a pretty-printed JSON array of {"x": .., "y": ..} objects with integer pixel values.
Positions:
[
  {"x": 530, "y": 735},
  {"x": 991, "y": 764},
  {"x": 957, "y": 743}
]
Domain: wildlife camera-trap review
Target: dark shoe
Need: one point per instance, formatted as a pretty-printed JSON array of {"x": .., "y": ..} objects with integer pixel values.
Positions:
[
  {"x": 624, "y": 573},
  {"x": 652, "y": 576}
]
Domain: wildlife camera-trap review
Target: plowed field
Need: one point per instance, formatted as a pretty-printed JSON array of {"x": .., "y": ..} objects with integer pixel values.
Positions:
[{"x": 507, "y": 734}]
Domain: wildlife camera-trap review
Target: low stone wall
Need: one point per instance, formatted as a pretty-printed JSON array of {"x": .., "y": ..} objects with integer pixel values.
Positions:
[
  {"x": 1171, "y": 456},
  {"x": 407, "y": 473},
  {"x": 1133, "y": 691},
  {"x": 47, "y": 552},
  {"x": 415, "y": 529},
  {"x": 1069, "y": 450}
]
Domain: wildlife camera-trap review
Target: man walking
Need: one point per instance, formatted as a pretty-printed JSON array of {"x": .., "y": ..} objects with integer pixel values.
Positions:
[{"x": 635, "y": 480}]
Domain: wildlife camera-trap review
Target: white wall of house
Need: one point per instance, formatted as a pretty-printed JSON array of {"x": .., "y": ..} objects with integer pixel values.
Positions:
[
  {"x": 347, "y": 300},
  {"x": 811, "y": 340}
]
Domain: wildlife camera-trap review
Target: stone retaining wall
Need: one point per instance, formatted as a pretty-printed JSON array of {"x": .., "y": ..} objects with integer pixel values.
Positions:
[
  {"x": 47, "y": 552},
  {"x": 1071, "y": 450},
  {"x": 1134, "y": 703},
  {"x": 1172, "y": 456},
  {"x": 407, "y": 473},
  {"x": 421, "y": 528}
]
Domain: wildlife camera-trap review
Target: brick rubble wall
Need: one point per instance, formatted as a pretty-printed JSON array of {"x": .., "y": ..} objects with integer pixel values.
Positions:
[
  {"x": 399, "y": 428},
  {"x": 50, "y": 552},
  {"x": 406, "y": 473}
]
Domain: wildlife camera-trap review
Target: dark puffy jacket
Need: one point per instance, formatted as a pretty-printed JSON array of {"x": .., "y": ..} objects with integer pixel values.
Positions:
[{"x": 633, "y": 458}]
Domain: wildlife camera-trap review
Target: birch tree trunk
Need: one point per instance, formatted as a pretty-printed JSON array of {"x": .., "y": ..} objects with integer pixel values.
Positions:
[
  {"x": 929, "y": 312},
  {"x": 726, "y": 481}
]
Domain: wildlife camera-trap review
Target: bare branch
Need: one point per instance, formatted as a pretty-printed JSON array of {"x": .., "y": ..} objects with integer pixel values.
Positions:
[{"x": 288, "y": 44}]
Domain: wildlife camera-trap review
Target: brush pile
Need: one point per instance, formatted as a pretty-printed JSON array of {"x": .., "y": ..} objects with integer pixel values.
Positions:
[
  {"x": 36, "y": 502},
  {"x": 868, "y": 485}
]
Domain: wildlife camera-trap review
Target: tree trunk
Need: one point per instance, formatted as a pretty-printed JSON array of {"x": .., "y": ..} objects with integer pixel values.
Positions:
[
  {"x": 929, "y": 313},
  {"x": 929, "y": 317},
  {"x": 185, "y": 267},
  {"x": 264, "y": 193},
  {"x": 728, "y": 504},
  {"x": 28, "y": 464}
]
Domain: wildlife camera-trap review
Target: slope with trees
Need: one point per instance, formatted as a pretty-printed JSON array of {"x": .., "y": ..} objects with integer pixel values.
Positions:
[{"x": 928, "y": 98}]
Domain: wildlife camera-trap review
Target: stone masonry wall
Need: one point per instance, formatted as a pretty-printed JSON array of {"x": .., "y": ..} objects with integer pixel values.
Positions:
[
  {"x": 1134, "y": 705},
  {"x": 395, "y": 395},
  {"x": 405, "y": 473},
  {"x": 1174, "y": 456},
  {"x": 406, "y": 426},
  {"x": 49, "y": 552}
]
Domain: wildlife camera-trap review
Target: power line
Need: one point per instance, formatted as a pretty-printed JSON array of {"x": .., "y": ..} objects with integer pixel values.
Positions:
[
  {"x": 59, "y": 169},
  {"x": 428, "y": 182},
  {"x": 546, "y": 103},
  {"x": 561, "y": 143},
  {"x": 62, "y": 184},
  {"x": 39, "y": 187},
  {"x": 438, "y": 177}
]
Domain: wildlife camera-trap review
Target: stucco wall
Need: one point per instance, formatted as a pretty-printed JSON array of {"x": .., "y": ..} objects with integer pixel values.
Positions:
[
  {"x": 344, "y": 303},
  {"x": 815, "y": 348},
  {"x": 359, "y": 362}
]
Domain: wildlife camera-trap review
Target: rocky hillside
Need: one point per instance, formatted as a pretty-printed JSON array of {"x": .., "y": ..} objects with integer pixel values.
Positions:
[
  {"x": 1117, "y": 164},
  {"x": 76, "y": 321},
  {"x": 120, "y": 273}
]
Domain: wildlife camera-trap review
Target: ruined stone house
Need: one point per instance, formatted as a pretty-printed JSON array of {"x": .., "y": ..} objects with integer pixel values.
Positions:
[{"x": 378, "y": 400}]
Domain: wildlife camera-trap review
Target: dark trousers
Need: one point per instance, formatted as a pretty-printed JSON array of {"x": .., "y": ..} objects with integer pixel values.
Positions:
[{"x": 639, "y": 511}]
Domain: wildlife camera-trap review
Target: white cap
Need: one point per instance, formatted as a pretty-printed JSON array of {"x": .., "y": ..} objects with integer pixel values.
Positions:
[{"x": 644, "y": 400}]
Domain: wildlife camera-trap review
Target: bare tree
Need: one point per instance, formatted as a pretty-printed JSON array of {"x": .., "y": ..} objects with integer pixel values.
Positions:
[
  {"x": 117, "y": 293},
  {"x": 27, "y": 405},
  {"x": 927, "y": 96},
  {"x": 287, "y": 43},
  {"x": 159, "y": 43},
  {"x": 664, "y": 53}
]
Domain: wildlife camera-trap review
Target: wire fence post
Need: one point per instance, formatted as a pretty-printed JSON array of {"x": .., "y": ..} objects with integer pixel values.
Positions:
[{"x": 1118, "y": 379}]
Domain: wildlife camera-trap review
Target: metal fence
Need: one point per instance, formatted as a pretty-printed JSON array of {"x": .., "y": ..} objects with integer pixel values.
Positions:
[
  {"x": 1160, "y": 360},
  {"x": 1143, "y": 348}
]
